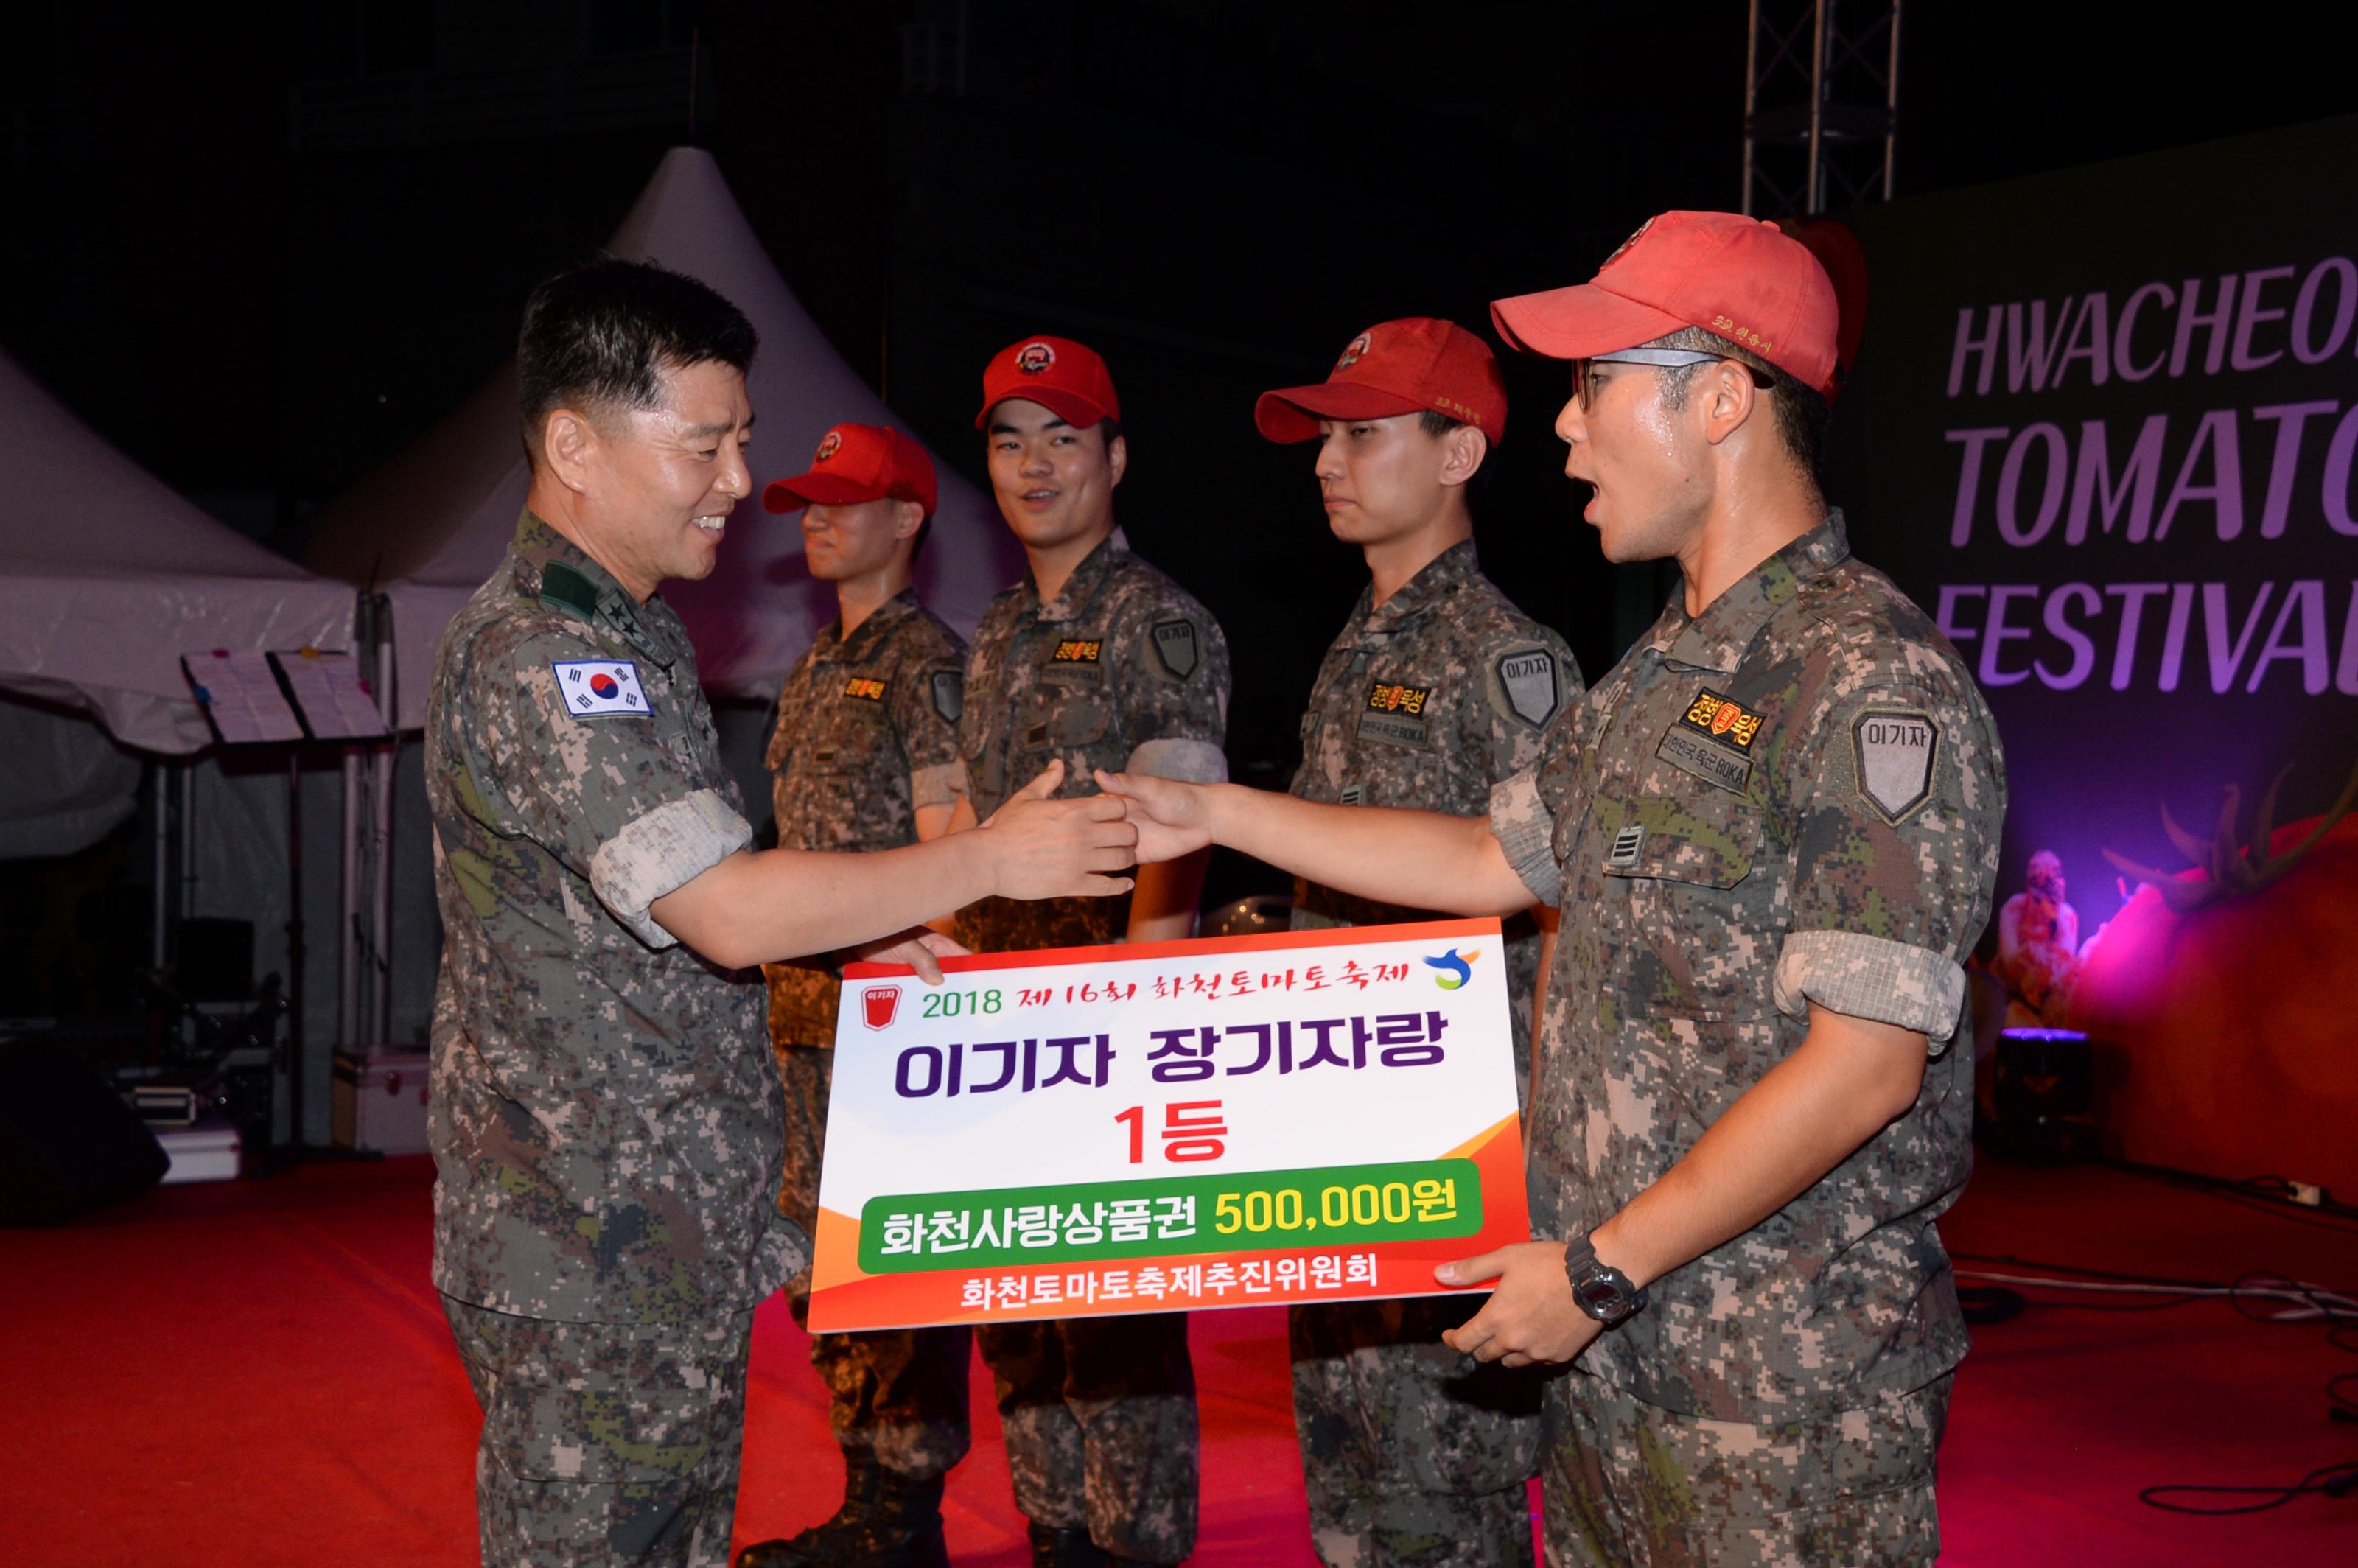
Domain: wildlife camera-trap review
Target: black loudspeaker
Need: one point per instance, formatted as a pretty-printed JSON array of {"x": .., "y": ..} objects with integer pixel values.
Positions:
[{"x": 68, "y": 1143}]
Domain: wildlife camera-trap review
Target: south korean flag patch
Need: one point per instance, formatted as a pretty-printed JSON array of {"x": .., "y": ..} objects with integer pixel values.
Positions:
[{"x": 600, "y": 689}]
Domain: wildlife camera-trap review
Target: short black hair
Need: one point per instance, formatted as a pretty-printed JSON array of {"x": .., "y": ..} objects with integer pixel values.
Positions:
[
  {"x": 597, "y": 336},
  {"x": 1801, "y": 412},
  {"x": 1436, "y": 424}
]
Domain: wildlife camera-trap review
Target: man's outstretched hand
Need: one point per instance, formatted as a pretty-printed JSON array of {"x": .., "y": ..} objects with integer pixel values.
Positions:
[
  {"x": 1172, "y": 818},
  {"x": 1042, "y": 848}
]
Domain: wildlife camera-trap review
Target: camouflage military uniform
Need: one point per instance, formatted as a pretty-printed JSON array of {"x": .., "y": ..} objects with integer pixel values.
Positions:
[
  {"x": 1411, "y": 1452},
  {"x": 867, "y": 734},
  {"x": 1792, "y": 798},
  {"x": 606, "y": 1127},
  {"x": 1123, "y": 669}
]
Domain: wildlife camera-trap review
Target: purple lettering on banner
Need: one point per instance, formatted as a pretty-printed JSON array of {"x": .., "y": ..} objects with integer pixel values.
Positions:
[
  {"x": 2092, "y": 482},
  {"x": 2133, "y": 596},
  {"x": 2338, "y": 453},
  {"x": 1984, "y": 346},
  {"x": 2029, "y": 352},
  {"x": 2345, "y": 671},
  {"x": 2307, "y": 595},
  {"x": 1996, "y": 633},
  {"x": 2090, "y": 340},
  {"x": 2009, "y": 482},
  {"x": 2173, "y": 640},
  {"x": 1969, "y": 480},
  {"x": 2191, "y": 317},
  {"x": 2216, "y": 436},
  {"x": 2083, "y": 649},
  {"x": 2225, "y": 657},
  {"x": 2122, "y": 334},
  {"x": 2293, "y": 416},
  {"x": 2255, "y": 286},
  {"x": 2304, "y": 310}
]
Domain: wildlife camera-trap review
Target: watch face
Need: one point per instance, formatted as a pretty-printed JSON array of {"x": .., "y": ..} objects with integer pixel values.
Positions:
[{"x": 1598, "y": 1296}]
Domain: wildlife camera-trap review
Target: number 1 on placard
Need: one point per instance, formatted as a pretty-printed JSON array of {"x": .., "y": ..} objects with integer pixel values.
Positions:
[{"x": 1136, "y": 1116}]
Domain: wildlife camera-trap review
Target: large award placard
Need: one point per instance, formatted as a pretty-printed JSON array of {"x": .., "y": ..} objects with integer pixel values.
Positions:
[{"x": 1304, "y": 1116}]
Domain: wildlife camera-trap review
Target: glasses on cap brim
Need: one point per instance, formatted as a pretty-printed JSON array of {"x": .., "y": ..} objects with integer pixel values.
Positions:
[{"x": 1584, "y": 385}]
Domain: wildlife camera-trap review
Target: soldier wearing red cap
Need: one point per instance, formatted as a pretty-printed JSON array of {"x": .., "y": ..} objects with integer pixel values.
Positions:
[
  {"x": 1437, "y": 689},
  {"x": 1773, "y": 832},
  {"x": 1100, "y": 660},
  {"x": 864, "y": 757}
]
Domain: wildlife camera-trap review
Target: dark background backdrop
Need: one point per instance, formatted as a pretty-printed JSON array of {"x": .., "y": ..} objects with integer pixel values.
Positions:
[{"x": 263, "y": 247}]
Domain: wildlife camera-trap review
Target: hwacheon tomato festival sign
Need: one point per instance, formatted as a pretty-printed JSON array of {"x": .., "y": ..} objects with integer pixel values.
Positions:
[{"x": 1303, "y": 1116}]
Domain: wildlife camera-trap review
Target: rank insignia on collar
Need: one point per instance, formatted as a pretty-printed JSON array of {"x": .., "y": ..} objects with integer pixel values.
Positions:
[
  {"x": 600, "y": 689},
  {"x": 1395, "y": 698},
  {"x": 864, "y": 688},
  {"x": 1725, "y": 720},
  {"x": 1077, "y": 651}
]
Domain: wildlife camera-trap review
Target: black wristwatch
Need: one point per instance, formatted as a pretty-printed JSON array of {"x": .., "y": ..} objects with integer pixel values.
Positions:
[{"x": 1603, "y": 1291}]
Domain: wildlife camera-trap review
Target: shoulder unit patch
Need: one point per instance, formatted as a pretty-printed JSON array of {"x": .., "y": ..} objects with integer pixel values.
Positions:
[
  {"x": 948, "y": 689},
  {"x": 1528, "y": 679},
  {"x": 1894, "y": 751},
  {"x": 1175, "y": 645}
]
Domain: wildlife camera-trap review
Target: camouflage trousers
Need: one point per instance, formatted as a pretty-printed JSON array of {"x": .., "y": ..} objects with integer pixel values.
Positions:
[
  {"x": 1634, "y": 1486},
  {"x": 1099, "y": 1414},
  {"x": 605, "y": 1443},
  {"x": 1412, "y": 1452},
  {"x": 897, "y": 1395}
]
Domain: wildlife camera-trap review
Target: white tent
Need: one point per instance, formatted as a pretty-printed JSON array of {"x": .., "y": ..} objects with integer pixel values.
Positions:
[
  {"x": 432, "y": 524},
  {"x": 107, "y": 576}
]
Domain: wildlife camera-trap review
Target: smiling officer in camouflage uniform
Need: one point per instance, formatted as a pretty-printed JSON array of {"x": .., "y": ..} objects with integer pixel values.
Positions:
[
  {"x": 1437, "y": 689},
  {"x": 1098, "y": 660},
  {"x": 1773, "y": 832},
  {"x": 607, "y": 1121},
  {"x": 864, "y": 757}
]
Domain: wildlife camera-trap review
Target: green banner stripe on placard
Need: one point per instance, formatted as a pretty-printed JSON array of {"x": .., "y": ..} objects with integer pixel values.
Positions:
[{"x": 1334, "y": 1206}]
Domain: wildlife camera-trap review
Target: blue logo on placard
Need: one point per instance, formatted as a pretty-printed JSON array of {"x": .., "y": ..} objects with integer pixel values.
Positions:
[{"x": 1454, "y": 971}]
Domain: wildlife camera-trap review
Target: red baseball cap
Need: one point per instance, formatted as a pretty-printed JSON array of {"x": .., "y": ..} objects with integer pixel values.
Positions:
[
  {"x": 856, "y": 463},
  {"x": 1733, "y": 275},
  {"x": 1055, "y": 373},
  {"x": 1396, "y": 367}
]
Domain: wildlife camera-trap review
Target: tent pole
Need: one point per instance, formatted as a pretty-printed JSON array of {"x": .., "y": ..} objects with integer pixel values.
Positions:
[
  {"x": 298, "y": 1132},
  {"x": 348, "y": 912},
  {"x": 379, "y": 624},
  {"x": 159, "y": 782}
]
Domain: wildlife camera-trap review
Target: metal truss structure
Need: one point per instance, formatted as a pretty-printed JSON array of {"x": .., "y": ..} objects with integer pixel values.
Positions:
[{"x": 1820, "y": 104}]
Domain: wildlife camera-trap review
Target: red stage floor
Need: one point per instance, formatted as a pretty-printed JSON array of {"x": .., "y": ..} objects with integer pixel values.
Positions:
[{"x": 258, "y": 1373}]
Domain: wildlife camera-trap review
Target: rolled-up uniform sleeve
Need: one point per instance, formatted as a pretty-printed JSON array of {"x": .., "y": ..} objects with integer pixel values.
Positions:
[
  {"x": 614, "y": 798},
  {"x": 1897, "y": 808},
  {"x": 1525, "y": 830}
]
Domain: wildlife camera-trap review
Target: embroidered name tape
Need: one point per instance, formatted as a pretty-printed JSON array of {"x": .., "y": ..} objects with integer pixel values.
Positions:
[{"x": 600, "y": 689}]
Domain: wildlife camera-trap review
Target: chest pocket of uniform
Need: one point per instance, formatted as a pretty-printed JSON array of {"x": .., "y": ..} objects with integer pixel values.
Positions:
[
  {"x": 1706, "y": 837},
  {"x": 1061, "y": 716}
]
